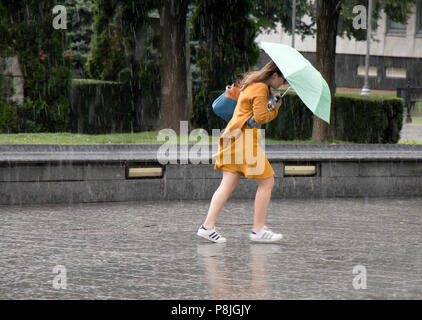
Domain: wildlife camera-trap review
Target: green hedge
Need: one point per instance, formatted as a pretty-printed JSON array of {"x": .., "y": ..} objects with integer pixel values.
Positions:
[
  {"x": 92, "y": 106},
  {"x": 202, "y": 115},
  {"x": 359, "y": 119},
  {"x": 100, "y": 107},
  {"x": 34, "y": 116},
  {"x": 107, "y": 107},
  {"x": 294, "y": 121},
  {"x": 368, "y": 120},
  {"x": 26, "y": 31}
]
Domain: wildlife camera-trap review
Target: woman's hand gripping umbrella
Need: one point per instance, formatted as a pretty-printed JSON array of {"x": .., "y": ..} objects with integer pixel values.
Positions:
[{"x": 304, "y": 79}]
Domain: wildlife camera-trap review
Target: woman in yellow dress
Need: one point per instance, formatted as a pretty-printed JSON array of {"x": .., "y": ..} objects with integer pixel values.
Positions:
[{"x": 240, "y": 154}]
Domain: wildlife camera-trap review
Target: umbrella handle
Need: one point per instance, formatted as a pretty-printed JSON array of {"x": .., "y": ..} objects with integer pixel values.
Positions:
[
  {"x": 285, "y": 91},
  {"x": 276, "y": 98}
]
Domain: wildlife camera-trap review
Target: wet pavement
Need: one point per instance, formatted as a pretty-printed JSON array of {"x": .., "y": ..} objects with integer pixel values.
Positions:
[
  {"x": 411, "y": 132},
  {"x": 344, "y": 248}
]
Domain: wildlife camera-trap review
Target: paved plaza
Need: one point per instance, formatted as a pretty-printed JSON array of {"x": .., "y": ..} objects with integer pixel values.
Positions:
[
  {"x": 344, "y": 248},
  {"x": 411, "y": 132}
]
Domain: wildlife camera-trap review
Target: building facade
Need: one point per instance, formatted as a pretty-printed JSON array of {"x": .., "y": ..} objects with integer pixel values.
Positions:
[{"x": 395, "y": 53}]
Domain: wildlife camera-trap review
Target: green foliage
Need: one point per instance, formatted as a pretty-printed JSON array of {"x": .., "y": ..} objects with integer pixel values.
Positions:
[
  {"x": 294, "y": 121},
  {"x": 79, "y": 31},
  {"x": 126, "y": 47},
  {"x": 34, "y": 116},
  {"x": 100, "y": 107},
  {"x": 6, "y": 88},
  {"x": 396, "y": 10},
  {"x": 226, "y": 48},
  {"x": 106, "y": 57},
  {"x": 116, "y": 31},
  {"x": 358, "y": 119},
  {"x": 346, "y": 17},
  {"x": 26, "y": 31},
  {"x": 270, "y": 12},
  {"x": 370, "y": 120},
  {"x": 8, "y": 117},
  {"x": 226, "y": 37},
  {"x": 206, "y": 118}
]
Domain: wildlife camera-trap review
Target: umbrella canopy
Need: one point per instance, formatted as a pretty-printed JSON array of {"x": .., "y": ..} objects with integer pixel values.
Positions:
[{"x": 301, "y": 75}]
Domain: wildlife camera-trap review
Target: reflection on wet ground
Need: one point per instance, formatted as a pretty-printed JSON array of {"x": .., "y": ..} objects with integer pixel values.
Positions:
[{"x": 149, "y": 250}]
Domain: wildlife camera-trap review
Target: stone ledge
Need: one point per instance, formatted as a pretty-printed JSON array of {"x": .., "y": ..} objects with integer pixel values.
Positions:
[
  {"x": 19, "y": 193},
  {"x": 148, "y": 152},
  {"x": 72, "y": 174}
]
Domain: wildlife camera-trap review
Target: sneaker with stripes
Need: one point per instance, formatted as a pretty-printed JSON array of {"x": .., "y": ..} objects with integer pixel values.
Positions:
[
  {"x": 265, "y": 235},
  {"x": 210, "y": 234}
]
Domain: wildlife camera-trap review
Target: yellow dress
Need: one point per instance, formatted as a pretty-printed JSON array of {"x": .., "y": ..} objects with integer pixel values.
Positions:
[{"x": 239, "y": 147}]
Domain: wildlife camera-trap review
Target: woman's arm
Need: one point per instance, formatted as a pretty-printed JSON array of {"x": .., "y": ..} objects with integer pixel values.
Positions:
[{"x": 260, "y": 107}]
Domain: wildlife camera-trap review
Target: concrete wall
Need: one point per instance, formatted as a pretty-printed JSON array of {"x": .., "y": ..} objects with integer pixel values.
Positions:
[{"x": 354, "y": 171}]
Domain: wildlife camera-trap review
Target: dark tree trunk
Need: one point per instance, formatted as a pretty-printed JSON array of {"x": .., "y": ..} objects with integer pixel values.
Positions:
[
  {"x": 174, "y": 106},
  {"x": 327, "y": 19}
]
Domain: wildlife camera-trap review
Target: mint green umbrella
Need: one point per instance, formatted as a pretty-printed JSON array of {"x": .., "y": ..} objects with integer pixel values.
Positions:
[{"x": 301, "y": 75}]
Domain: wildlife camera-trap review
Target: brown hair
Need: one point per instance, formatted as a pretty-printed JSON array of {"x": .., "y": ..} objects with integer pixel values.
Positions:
[{"x": 259, "y": 76}]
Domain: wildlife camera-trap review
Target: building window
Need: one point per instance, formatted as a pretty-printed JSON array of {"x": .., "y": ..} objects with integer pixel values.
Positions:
[
  {"x": 419, "y": 17},
  {"x": 372, "y": 71},
  {"x": 394, "y": 27},
  {"x": 397, "y": 73}
]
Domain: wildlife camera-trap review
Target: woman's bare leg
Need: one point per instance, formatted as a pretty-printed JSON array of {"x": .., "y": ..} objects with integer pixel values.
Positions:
[
  {"x": 262, "y": 201},
  {"x": 221, "y": 195}
]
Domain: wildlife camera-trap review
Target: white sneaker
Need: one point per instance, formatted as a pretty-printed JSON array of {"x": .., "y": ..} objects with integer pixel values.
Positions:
[
  {"x": 211, "y": 235},
  {"x": 265, "y": 235}
]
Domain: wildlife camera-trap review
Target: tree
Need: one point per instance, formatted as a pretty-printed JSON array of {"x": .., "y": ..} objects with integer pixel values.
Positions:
[
  {"x": 107, "y": 56},
  {"x": 270, "y": 12},
  {"x": 125, "y": 47},
  {"x": 79, "y": 31},
  {"x": 329, "y": 14},
  {"x": 226, "y": 48},
  {"x": 332, "y": 18},
  {"x": 26, "y": 31},
  {"x": 174, "y": 105},
  {"x": 327, "y": 19}
]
